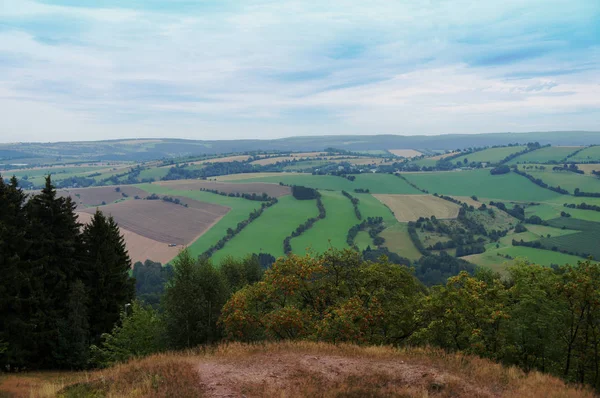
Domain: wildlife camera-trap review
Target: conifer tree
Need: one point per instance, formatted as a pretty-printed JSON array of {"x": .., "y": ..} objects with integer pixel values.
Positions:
[
  {"x": 56, "y": 263},
  {"x": 15, "y": 290},
  {"x": 107, "y": 274}
]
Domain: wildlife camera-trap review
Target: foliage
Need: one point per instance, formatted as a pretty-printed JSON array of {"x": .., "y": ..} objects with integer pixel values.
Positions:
[
  {"x": 139, "y": 333},
  {"x": 192, "y": 302},
  {"x": 150, "y": 280},
  {"x": 332, "y": 297}
]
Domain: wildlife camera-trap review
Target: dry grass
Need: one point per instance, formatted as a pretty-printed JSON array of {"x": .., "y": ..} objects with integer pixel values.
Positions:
[
  {"x": 588, "y": 168},
  {"x": 445, "y": 155},
  {"x": 306, "y": 369},
  {"x": 274, "y": 190},
  {"x": 406, "y": 153},
  {"x": 236, "y": 158},
  {"x": 410, "y": 207}
]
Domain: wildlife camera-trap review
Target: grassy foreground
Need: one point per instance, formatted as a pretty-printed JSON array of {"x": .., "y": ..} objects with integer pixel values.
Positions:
[{"x": 300, "y": 369}]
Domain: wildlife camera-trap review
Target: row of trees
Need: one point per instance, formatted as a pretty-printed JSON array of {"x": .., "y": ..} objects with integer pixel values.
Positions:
[
  {"x": 308, "y": 224},
  {"x": 62, "y": 285},
  {"x": 541, "y": 183},
  {"x": 355, "y": 202}
]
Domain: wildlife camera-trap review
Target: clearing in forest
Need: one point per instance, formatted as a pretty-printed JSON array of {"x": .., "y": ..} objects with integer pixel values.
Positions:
[{"x": 411, "y": 207}]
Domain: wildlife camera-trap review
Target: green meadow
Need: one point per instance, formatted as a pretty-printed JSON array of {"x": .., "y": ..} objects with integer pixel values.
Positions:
[
  {"x": 491, "y": 155},
  {"x": 544, "y": 155},
  {"x": 482, "y": 184}
]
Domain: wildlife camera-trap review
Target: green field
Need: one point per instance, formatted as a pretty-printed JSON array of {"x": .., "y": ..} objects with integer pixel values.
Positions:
[
  {"x": 330, "y": 231},
  {"x": 591, "y": 154},
  {"x": 482, "y": 184},
  {"x": 398, "y": 241},
  {"x": 375, "y": 183},
  {"x": 425, "y": 162},
  {"x": 363, "y": 240},
  {"x": 38, "y": 176},
  {"x": 545, "y": 155},
  {"x": 491, "y": 155},
  {"x": 583, "y": 243},
  {"x": 491, "y": 259},
  {"x": 566, "y": 179},
  {"x": 266, "y": 233},
  {"x": 240, "y": 210},
  {"x": 155, "y": 173},
  {"x": 369, "y": 206}
]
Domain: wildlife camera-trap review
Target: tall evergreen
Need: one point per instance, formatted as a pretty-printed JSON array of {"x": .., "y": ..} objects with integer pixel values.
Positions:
[
  {"x": 106, "y": 274},
  {"x": 16, "y": 301},
  {"x": 56, "y": 263}
]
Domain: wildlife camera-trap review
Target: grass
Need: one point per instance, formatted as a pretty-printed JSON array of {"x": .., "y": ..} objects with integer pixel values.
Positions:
[
  {"x": 363, "y": 240},
  {"x": 587, "y": 155},
  {"x": 369, "y": 206},
  {"x": 304, "y": 369},
  {"x": 58, "y": 173},
  {"x": 375, "y": 183},
  {"x": 545, "y": 155},
  {"x": 155, "y": 172},
  {"x": 482, "y": 184},
  {"x": 491, "y": 155},
  {"x": 566, "y": 179},
  {"x": 240, "y": 209},
  {"x": 490, "y": 258},
  {"x": 266, "y": 234},
  {"x": 398, "y": 241},
  {"x": 549, "y": 211},
  {"x": 583, "y": 243},
  {"x": 330, "y": 231}
]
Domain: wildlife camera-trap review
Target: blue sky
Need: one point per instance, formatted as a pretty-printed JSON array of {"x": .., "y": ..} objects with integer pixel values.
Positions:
[{"x": 223, "y": 69}]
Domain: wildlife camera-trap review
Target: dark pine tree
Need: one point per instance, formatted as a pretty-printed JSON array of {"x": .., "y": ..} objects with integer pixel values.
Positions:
[
  {"x": 56, "y": 264},
  {"x": 106, "y": 275},
  {"x": 16, "y": 301}
]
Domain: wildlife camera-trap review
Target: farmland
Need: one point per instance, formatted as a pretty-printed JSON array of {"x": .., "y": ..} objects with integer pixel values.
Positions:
[
  {"x": 411, "y": 207},
  {"x": 491, "y": 155},
  {"x": 545, "y": 155},
  {"x": 565, "y": 179},
  {"x": 365, "y": 175},
  {"x": 330, "y": 231},
  {"x": 591, "y": 154},
  {"x": 266, "y": 234},
  {"x": 481, "y": 184}
]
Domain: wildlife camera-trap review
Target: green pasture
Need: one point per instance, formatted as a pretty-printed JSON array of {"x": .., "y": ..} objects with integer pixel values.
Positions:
[
  {"x": 566, "y": 179},
  {"x": 590, "y": 154},
  {"x": 490, "y": 155},
  {"x": 583, "y": 243},
  {"x": 363, "y": 240},
  {"x": 369, "y": 206},
  {"x": 482, "y": 184},
  {"x": 545, "y": 155},
  {"x": 330, "y": 231},
  {"x": 267, "y": 232},
  {"x": 398, "y": 241},
  {"x": 491, "y": 259},
  {"x": 155, "y": 173}
]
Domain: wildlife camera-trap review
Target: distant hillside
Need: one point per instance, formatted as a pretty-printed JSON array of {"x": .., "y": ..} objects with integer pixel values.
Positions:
[
  {"x": 149, "y": 149},
  {"x": 299, "y": 369}
]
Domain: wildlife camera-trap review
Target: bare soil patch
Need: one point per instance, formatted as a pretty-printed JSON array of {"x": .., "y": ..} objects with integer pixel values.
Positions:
[
  {"x": 92, "y": 197},
  {"x": 139, "y": 247},
  {"x": 410, "y": 207},
  {"x": 406, "y": 153},
  {"x": 274, "y": 190},
  {"x": 164, "y": 222}
]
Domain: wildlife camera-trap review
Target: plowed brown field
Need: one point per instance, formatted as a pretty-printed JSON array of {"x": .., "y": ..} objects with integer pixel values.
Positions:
[
  {"x": 90, "y": 197},
  {"x": 162, "y": 221},
  {"x": 274, "y": 190}
]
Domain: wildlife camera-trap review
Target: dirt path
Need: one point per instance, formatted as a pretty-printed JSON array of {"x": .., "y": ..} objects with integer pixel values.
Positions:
[{"x": 292, "y": 375}]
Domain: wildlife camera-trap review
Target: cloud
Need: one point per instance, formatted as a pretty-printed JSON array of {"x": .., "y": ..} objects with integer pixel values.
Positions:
[{"x": 229, "y": 69}]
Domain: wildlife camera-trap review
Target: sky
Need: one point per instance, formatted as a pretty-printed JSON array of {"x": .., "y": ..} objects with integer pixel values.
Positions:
[{"x": 223, "y": 69}]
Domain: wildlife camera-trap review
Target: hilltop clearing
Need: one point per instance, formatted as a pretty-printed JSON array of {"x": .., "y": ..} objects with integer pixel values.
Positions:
[{"x": 299, "y": 369}]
